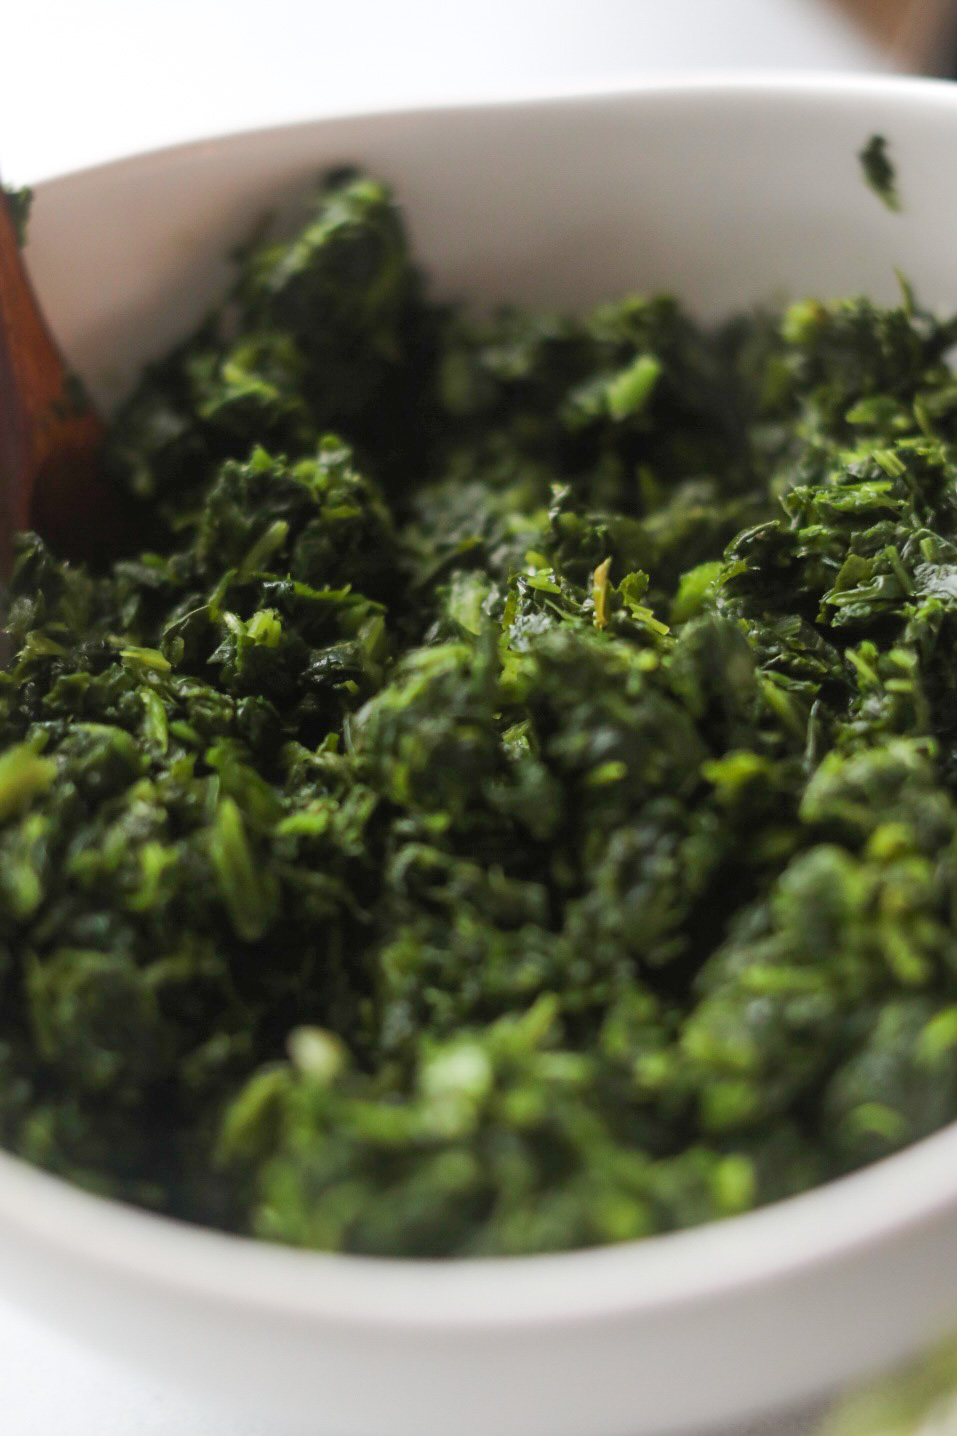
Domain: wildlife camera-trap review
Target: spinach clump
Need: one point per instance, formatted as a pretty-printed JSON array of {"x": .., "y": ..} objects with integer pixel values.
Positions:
[{"x": 510, "y": 803}]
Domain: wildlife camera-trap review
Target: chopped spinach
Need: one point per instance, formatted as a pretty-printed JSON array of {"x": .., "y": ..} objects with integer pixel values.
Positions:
[
  {"x": 512, "y": 803},
  {"x": 879, "y": 173},
  {"x": 19, "y": 202}
]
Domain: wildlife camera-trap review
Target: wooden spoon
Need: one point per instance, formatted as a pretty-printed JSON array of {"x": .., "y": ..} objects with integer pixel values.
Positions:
[
  {"x": 50, "y": 436},
  {"x": 918, "y": 35}
]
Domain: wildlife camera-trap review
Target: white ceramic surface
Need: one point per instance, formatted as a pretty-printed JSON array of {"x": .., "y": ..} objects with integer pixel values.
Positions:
[{"x": 727, "y": 192}]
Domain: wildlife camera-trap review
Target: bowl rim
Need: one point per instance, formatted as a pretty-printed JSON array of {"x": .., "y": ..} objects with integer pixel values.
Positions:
[
  {"x": 872, "y": 1207},
  {"x": 782, "y": 85}
]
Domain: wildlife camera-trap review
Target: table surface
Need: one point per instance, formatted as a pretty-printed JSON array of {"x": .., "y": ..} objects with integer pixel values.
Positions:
[{"x": 94, "y": 81}]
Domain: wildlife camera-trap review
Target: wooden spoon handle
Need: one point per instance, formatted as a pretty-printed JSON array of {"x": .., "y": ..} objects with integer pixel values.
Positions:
[
  {"x": 21, "y": 378},
  {"x": 918, "y": 34},
  {"x": 50, "y": 437}
]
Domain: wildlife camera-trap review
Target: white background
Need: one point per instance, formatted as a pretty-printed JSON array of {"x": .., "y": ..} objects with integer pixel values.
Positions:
[
  {"x": 83, "y": 82},
  {"x": 87, "y": 80}
]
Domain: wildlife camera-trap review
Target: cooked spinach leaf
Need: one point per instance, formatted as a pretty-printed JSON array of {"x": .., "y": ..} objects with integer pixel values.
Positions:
[
  {"x": 511, "y": 804},
  {"x": 879, "y": 173}
]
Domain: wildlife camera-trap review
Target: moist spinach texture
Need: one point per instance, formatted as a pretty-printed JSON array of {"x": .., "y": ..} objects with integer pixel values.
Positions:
[{"x": 510, "y": 805}]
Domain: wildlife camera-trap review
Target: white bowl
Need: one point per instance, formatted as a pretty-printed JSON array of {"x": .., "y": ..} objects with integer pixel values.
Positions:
[{"x": 727, "y": 193}]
